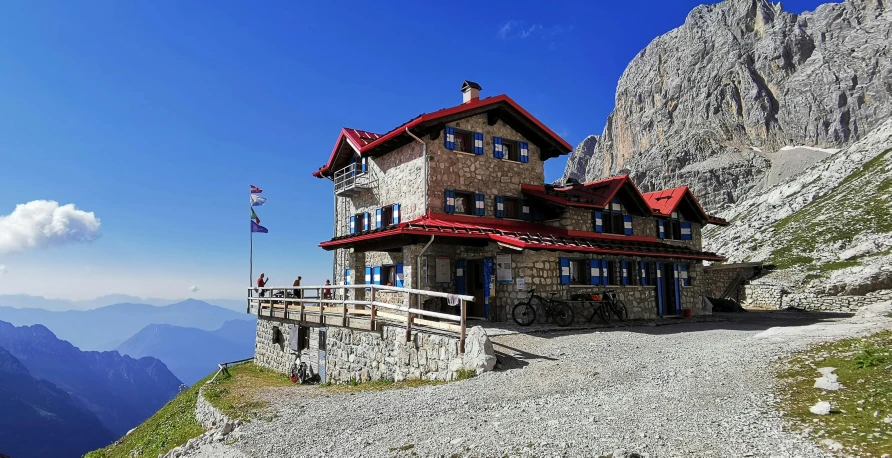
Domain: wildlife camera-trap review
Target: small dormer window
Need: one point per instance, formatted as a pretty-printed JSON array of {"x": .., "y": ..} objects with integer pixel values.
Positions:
[
  {"x": 510, "y": 151},
  {"x": 613, "y": 220}
]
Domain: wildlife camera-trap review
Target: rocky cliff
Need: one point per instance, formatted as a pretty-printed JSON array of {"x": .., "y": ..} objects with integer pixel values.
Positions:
[{"x": 712, "y": 103}]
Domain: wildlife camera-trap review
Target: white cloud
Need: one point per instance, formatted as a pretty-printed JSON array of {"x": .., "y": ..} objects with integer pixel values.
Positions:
[
  {"x": 193, "y": 288},
  {"x": 519, "y": 29},
  {"x": 3, "y": 269},
  {"x": 43, "y": 223}
]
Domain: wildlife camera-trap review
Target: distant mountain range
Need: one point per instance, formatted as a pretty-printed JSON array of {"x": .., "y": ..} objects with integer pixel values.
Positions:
[
  {"x": 191, "y": 354},
  {"x": 119, "y": 390},
  {"x": 40, "y": 420},
  {"x": 108, "y": 327},
  {"x": 58, "y": 305}
]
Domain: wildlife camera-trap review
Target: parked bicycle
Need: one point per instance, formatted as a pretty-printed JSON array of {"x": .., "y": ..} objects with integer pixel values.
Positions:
[
  {"x": 616, "y": 305},
  {"x": 596, "y": 304},
  {"x": 524, "y": 313}
]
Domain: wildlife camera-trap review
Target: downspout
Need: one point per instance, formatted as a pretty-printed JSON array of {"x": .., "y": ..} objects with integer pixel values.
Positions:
[{"x": 424, "y": 213}]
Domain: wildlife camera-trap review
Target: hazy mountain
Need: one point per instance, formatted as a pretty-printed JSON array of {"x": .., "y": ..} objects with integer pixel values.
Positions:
[
  {"x": 107, "y": 327},
  {"x": 192, "y": 353},
  {"x": 57, "y": 305},
  {"x": 119, "y": 390},
  {"x": 40, "y": 420}
]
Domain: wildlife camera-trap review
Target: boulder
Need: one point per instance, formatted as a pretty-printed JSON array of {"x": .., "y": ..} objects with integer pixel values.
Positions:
[{"x": 479, "y": 354}]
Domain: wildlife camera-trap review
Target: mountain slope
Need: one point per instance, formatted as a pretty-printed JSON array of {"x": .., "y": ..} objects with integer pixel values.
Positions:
[
  {"x": 40, "y": 420},
  {"x": 700, "y": 104},
  {"x": 192, "y": 353},
  {"x": 119, "y": 390},
  {"x": 116, "y": 323},
  {"x": 58, "y": 305}
]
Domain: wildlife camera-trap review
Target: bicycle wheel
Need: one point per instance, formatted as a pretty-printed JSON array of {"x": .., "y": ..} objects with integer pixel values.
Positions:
[
  {"x": 603, "y": 312},
  {"x": 619, "y": 308},
  {"x": 563, "y": 315},
  {"x": 524, "y": 314}
]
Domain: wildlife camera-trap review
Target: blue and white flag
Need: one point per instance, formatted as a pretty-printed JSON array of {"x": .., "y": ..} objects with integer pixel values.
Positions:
[
  {"x": 257, "y": 200},
  {"x": 258, "y": 228}
]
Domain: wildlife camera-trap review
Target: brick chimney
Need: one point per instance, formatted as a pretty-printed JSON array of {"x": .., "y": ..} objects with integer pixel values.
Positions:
[{"x": 470, "y": 91}]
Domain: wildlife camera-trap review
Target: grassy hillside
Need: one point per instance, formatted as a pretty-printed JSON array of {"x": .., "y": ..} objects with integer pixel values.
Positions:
[
  {"x": 171, "y": 426},
  {"x": 861, "y": 203}
]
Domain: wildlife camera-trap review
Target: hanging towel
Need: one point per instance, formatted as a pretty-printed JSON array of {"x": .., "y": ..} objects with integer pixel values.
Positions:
[{"x": 452, "y": 300}]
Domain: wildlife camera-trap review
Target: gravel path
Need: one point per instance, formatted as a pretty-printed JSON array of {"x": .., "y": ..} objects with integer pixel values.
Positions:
[{"x": 692, "y": 389}]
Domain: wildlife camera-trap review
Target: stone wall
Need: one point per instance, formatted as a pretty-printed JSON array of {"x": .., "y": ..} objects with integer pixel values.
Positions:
[
  {"x": 279, "y": 356},
  {"x": 780, "y": 297},
  {"x": 719, "y": 277},
  {"x": 576, "y": 219}
]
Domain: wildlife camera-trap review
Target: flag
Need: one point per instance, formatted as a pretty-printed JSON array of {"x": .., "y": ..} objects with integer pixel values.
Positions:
[
  {"x": 257, "y": 201},
  {"x": 255, "y": 190},
  {"x": 254, "y": 216},
  {"x": 258, "y": 228}
]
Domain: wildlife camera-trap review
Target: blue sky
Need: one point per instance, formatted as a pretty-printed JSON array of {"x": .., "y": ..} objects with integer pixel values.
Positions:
[{"x": 156, "y": 116}]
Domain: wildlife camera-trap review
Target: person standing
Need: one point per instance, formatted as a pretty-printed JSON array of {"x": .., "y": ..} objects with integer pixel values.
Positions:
[
  {"x": 326, "y": 293},
  {"x": 261, "y": 282},
  {"x": 297, "y": 292}
]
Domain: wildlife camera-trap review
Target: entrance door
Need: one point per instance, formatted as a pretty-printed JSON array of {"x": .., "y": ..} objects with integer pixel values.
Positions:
[
  {"x": 667, "y": 288},
  {"x": 475, "y": 287}
]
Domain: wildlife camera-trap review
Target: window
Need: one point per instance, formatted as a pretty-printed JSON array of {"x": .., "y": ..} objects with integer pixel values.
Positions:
[
  {"x": 633, "y": 272},
  {"x": 613, "y": 273},
  {"x": 464, "y": 203},
  {"x": 387, "y": 215},
  {"x": 303, "y": 338},
  {"x": 510, "y": 150},
  {"x": 580, "y": 272},
  {"x": 388, "y": 275},
  {"x": 684, "y": 274},
  {"x": 357, "y": 223},
  {"x": 463, "y": 141},
  {"x": 650, "y": 273},
  {"x": 511, "y": 208},
  {"x": 675, "y": 228},
  {"x": 613, "y": 220}
]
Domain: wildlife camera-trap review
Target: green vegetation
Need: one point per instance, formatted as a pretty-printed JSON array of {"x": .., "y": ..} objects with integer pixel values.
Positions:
[
  {"x": 171, "y": 426},
  {"x": 859, "y": 408},
  {"x": 464, "y": 374},
  {"x": 379, "y": 385},
  {"x": 861, "y": 202},
  {"x": 237, "y": 393}
]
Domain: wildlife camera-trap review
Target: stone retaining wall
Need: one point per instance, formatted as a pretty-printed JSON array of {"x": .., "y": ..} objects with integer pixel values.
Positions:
[{"x": 780, "y": 297}]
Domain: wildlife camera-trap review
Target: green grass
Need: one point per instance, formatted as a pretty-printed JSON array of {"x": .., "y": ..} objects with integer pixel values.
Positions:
[
  {"x": 379, "y": 385},
  {"x": 236, "y": 394},
  {"x": 860, "y": 202},
  {"x": 171, "y": 426},
  {"x": 859, "y": 408},
  {"x": 464, "y": 374}
]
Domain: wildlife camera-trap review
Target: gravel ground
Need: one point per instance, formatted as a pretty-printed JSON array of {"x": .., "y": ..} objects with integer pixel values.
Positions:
[{"x": 690, "y": 389}]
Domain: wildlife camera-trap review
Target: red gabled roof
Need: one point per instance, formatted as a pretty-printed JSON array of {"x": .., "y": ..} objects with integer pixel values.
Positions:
[
  {"x": 666, "y": 201},
  {"x": 526, "y": 235},
  {"x": 359, "y": 138},
  {"x": 430, "y": 117},
  {"x": 594, "y": 194}
]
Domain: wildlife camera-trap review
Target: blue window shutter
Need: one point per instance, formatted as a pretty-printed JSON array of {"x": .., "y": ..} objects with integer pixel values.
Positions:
[
  {"x": 524, "y": 152},
  {"x": 368, "y": 275},
  {"x": 500, "y": 207},
  {"x": 625, "y": 267},
  {"x": 449, "y": 138},
  {"x": 659, "y": 281},
  {"x": 525, "y": 210},
  {"x": 595, "y": 266},
  {"x": 396, "y": 214},
  {"x": 643, "y": 273},
  {"x": 661, "y": 229},
  {"x": 627, "y": 224},
  {"x": 616, "y": 205},
  {"x": 353, "y": 169},
  {"x": 497, "y": 151},
  {"x": 480, "y": 204},
  {"x": 450, "y": 201},
  {"x": 686, "y": 232},
  {"x": 478, "y": 143},
  {"x": 599, "y": 222},
  {"x": 378, "y": 222},
  {"x": 685, "y": 275},
  {"x": 376, "y": 275},
  {"x": 605, "y": 279},
  {"x": 366, "y": 221},
  {"x": 347, "y": 276},
  {"x": 460, "y": 277},
  {"x": 677, "y": 291},
  {"x": 353, "y": 224},
  {"x": 399, "y": 275},
  {"x": 365, "y": 164},
  {"x": 565, "y": 270}
]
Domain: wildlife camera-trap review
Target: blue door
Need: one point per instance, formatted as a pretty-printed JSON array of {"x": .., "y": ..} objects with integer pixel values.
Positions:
[{"x": 488, "y": 284}]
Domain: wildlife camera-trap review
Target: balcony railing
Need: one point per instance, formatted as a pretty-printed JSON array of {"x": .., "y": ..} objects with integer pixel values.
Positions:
[
  {"x": 352, "y": 178},
  {"x": 338, "y": 309}
]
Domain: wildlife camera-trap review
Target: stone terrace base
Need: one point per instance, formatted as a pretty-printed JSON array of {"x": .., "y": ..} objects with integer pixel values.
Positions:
[{"x": 384, "y": 354}]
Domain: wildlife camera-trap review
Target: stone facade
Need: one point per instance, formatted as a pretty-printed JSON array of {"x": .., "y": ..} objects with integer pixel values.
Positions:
[
  {"x": 779, "y": 297},
  {"x": 277, "y": 355}
]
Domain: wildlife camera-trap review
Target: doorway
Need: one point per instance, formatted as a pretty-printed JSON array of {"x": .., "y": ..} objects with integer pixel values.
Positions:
[
  {"x": 472, "y": 277},
  {"x": 667, "y": 289}
]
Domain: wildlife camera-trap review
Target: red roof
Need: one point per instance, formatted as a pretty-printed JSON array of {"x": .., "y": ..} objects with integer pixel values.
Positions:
[
  {"x": 359, "y": 138},
  {"x": 664, "y": 202},
  {"x": 526, "y": 235},
  {"x": 595, "y": 194},
  {"x": 429, "y": 117}
]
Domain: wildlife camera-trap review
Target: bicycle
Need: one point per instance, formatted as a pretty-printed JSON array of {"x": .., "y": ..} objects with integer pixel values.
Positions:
[
  {"x": 524, "y": 313},
  {"x": 598, "y": 306},
  {"x": 616, "y": 306}
]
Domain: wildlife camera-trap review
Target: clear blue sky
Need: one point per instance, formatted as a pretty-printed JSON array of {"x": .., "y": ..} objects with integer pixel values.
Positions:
[{"x": 156, "y": 116}]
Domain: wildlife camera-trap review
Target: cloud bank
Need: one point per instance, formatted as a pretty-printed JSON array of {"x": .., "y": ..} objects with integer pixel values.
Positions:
[
  {"x": 194, "y": 289},
  {"x": 515, "y": 29},
  {"x": 44, "y": 223}
]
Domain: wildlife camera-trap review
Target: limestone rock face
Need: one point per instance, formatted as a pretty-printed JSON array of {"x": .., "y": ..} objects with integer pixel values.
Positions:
[{"x": 709, "y": 102}]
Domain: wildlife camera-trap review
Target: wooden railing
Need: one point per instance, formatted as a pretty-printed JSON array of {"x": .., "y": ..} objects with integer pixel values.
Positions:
[{"x": 282, "y": 298}]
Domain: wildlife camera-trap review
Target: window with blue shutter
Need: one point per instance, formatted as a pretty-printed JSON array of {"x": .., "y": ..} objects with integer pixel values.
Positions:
[
  {"x": 565, "y": 270},
  {"x": 643, "y": 272},
  {"x": 625, "y": 267},
  {"x": 500, "y": 207},
  {"x": 497, "y": 148},
  {"x": 525, "y": 210},
  {"x": 366, "y": 220},
  {"x": 599, "y": 222},
  {"x": 365, "y": 164},
  {"x": 396, "y": 214},
  {"x": 627, "y": 224},
  {"x": 353, "y": 224},
  {"x": 659, "y": 281},
  {"x": 686, "y": 232},
  {"x": 605, "y": 272},
  {"x": 478, "y": 143},
  {"x": 399, "y": 275},
  {"x": 368, "y": 275},
  {"x": 347, "y": 276},
  {"x": 450, "y": 201},
  {"x": 524, "y": 152},
  {"x": 595, "y": 267},
  {"x": 376, "y": 275},
  {"x": 378, "y": 221},
  {"x": 460, "y": 276},
  {"x": 685, "y": 275},
  {"x": 661, "y": 229},
  {"x": 677, "y": 291},
  {"x": 480, "y": 204},
  {"x": 449, "y": 138}
]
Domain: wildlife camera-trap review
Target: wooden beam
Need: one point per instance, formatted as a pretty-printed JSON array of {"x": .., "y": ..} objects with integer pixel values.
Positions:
[{"x": 435, "y": 131}]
